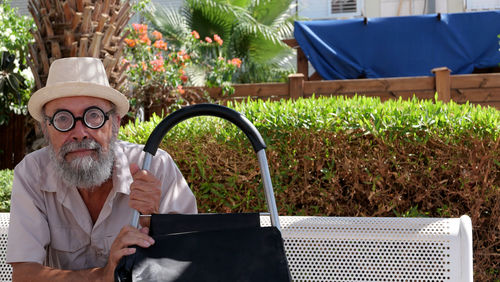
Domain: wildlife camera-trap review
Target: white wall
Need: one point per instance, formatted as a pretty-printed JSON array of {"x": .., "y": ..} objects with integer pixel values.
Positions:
[
  {"x": 391, "y": 8},
  {"x": 318, "y": 9},
  {"x": 169, "y": 3},
  {"x": 22, "y": 7},
  {"x": 313, "y": 9}
]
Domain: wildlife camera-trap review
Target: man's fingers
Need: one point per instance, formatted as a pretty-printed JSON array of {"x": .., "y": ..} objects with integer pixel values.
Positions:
[
  {"x": 131, "y": 236},
  {"x": 145, "y": 191},
  {"x": 134, "y": 168},
  {"x": 139, "y": 239},
  {"x": 144, "y": 230},
  {"x": 117, "y": 255},
  {"x": 146, "y": 202},
  {"x": 144, "y": 206},
  {"x": 146, "y": 186}
]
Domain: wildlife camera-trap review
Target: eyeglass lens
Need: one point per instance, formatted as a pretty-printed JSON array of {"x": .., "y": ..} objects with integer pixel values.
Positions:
[{"x": 93, "y": 117}]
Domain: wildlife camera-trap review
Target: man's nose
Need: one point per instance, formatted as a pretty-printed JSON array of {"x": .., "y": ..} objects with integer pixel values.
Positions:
[{"x": 80, "y": 132}]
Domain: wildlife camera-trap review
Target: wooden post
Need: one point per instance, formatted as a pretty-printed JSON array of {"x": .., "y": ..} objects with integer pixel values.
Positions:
[
  {"x": 82, "y": 52},
  {"x": 443, "y": 83},
  {"x": 76, "y": 21},
  {"x": 87, "y": 21},
  {"x": 302, "y": 63},
  {"x": 296, "y": 85},
  {"x": 95, "y": 46}
]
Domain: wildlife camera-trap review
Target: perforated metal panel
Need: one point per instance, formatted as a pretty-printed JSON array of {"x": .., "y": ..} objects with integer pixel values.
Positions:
[
  {"x": 5, "y": 269},
  {"x": 372, "y": 249},
  {"x": 360, "y": 249}
]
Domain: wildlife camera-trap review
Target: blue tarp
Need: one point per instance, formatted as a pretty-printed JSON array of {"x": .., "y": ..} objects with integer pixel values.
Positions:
[{"x": 401, "y": 46}]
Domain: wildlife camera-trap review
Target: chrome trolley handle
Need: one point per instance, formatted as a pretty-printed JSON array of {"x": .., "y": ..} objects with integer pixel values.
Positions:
[{"x": 231, "y": 115}]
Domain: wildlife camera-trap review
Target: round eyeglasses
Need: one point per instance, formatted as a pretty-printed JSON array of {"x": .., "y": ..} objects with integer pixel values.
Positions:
[{"x": 64, "y": 121}]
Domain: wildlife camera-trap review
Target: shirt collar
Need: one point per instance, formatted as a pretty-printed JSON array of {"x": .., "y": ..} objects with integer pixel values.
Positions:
[{"x": 122, "y": 178}]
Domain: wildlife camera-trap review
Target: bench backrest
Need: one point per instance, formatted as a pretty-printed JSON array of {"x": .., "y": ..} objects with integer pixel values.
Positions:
[
  {"x": 361, "y": 248},
  {"x": 377, "y": 249}
]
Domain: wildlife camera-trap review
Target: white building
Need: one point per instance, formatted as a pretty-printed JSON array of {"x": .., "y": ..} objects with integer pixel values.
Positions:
[{"x": 335, "y": 9}]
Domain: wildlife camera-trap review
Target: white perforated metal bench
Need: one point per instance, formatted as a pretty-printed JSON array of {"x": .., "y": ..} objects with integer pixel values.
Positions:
[
  {"x": 361, "y": 249},
  {"x": 377, "y": 249},
  {"x": 5, "y": 269}
]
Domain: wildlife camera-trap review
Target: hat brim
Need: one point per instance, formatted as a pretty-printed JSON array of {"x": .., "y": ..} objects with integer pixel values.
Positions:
[{"x": 71, "y": 89}]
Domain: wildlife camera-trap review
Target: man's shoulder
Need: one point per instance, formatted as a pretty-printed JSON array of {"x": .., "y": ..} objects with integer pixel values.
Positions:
[
  {"x": 133, "y": 149},
  {"x": 129, "y": 147},
  {"x": 39, "y": 157}
]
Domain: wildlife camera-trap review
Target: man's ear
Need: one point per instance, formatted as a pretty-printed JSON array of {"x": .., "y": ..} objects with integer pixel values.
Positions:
[
  {"x": 43, "y": 126},
  {"x": 118, "y": 123}
]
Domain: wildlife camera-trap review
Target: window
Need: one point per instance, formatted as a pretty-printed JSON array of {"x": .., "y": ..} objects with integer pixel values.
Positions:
[
  {"x": 345, "y": 8},
  {"x": 478, "y": 5}
]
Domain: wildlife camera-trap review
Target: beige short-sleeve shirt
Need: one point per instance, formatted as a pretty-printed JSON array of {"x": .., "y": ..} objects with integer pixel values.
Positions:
[{"x": 50, "y": 224}]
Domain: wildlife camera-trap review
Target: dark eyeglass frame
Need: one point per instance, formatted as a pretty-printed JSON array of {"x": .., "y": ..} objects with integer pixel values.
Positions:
[{"x": 82, "y": 118}]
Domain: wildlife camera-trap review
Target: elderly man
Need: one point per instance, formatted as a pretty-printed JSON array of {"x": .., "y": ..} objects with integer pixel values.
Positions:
[{"x": 73, "y": 200}]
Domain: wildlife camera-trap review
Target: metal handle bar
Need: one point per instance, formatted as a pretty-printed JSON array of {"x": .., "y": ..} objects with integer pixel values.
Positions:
[{"x": 231, "y": 115}]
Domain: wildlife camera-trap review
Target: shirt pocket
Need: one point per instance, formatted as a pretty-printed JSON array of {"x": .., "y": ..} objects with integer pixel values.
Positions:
[{"x": 68, "y": 239}]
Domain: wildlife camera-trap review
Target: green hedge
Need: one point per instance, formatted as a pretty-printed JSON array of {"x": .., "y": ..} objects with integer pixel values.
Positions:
[
  {"x": 388, "y": 120},
  {"x": 5, "y": 189}
]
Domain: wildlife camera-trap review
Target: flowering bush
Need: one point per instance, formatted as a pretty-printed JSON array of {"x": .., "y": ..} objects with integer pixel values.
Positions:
[
  {"x": 16, "y": 78},
  {"x": 158, "y": 72}
]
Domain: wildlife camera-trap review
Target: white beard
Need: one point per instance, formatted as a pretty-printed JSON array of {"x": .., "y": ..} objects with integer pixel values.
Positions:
[{"x": 84, "y": 172}]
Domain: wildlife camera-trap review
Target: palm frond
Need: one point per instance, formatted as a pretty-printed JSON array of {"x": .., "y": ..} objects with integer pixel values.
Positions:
[
  {"x": 168, "y": 21},
  {"x": 196, "y": 74},
  {"x": 266, "y": 11},
  {"x": 223, "y": 13},
  {"x": 285, "y": 29}
]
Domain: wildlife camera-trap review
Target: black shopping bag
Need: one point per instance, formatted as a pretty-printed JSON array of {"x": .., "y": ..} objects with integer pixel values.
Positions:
[
  {"x": 215, "y": 247},
  {"x": 206, "y": 250}
]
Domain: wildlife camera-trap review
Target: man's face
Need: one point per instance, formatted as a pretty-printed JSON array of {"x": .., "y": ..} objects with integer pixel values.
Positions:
[{"x": 83, "y": 156}]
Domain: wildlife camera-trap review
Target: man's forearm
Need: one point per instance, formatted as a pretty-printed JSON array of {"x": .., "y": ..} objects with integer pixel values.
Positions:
[{"x": 30, "y": 271}]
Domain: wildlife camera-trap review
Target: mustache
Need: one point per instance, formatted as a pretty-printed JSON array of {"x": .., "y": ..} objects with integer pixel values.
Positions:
[{"x": 88, "y": 144}]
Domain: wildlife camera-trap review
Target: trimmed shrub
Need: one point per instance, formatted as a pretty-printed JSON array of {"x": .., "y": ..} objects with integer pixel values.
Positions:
[{"x": 6, "y": 177}]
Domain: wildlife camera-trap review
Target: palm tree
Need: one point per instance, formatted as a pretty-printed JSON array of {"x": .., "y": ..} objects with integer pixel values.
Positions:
[
  {"x": 83, "y": 28},
  {"x": 252, "y": 31}
]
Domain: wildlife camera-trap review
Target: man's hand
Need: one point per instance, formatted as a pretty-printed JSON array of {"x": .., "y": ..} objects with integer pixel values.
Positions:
[
  {"x": 145, "y": 192},
  {"x": 127, "y": 237}
]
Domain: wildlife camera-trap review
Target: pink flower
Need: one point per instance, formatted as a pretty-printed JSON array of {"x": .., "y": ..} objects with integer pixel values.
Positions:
[
  {"x": 140, "y": 28},
  {"x": 160, "y": 44},
  {"x": 208, "y": 39},
  {"x": 180, "y": 89},
  {"x": 236, "y": 62},
  {"x": 195, "y": 34},
  {"x": 158, "y": 64},
  {"x": 218, "y": 39},
  {"x": 157, "y": 35},
  {"x": 145, "y": 39},
  {"x": 130, "y": 42}
]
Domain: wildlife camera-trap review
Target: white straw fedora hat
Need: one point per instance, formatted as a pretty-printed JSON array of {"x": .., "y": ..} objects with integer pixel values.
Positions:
[{"x": 76, "y": 76}]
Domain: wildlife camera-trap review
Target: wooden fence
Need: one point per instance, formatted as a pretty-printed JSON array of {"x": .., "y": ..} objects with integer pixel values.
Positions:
[
  {"x": 481, "y": 89},
  {"x": 13, "y": 141}
]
